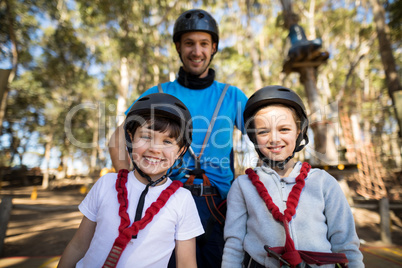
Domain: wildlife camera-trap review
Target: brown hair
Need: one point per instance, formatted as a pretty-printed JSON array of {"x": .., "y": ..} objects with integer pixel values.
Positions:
[{"x": 296, "y": 117}]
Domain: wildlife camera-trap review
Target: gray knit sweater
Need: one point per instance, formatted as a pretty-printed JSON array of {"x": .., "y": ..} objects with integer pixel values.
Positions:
[{"x": 323, "y": 221}]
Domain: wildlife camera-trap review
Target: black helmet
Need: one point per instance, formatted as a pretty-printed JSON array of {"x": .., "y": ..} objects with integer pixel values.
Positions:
[
  {"x": 277, "y": 95},
  {"x": 160, "y": 104},
  {"x": 195, "y": 20}
]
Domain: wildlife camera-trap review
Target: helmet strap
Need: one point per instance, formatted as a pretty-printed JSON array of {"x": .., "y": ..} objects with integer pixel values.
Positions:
[
  {"x": 281, "y": 164},
  {"x": 141, "y": 201},
  {"x": 272, "y": 163},
  {"x": 140, "y": 206}
]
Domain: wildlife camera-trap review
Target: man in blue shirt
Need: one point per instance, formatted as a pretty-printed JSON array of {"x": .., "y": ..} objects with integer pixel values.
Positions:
[{"x": 216, "y": 108}]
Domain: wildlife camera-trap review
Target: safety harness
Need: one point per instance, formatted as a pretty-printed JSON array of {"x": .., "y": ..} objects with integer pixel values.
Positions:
[
  {"x": 218, "y": 211},
  {"x": 288, "y": 255},
  {"x": 126, "y": 232}
]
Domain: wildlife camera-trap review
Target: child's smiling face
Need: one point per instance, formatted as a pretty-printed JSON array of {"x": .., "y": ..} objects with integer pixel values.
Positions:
[
  {"x": 154, "y": 152},
  {"x": 276, "y": 131}
]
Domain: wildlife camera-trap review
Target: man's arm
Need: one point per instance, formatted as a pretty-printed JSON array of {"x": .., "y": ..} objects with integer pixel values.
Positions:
[{"x": 117, "y": 149}]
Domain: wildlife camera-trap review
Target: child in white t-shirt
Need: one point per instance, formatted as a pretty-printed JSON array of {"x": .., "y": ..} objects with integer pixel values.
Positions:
[{"x": 137, "y": 218}]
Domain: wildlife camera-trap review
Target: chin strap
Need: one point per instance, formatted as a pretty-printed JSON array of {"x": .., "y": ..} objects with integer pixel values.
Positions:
[
  {"x": 272, "y": 163},
  {"x": 151, "y": 183}
]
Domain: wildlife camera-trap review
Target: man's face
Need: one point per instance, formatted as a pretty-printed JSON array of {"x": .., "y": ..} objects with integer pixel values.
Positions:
[{"x": 196, "y": 50}]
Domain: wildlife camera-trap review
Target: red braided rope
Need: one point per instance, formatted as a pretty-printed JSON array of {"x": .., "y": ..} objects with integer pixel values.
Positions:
[
  {"x": 122, "y": 198},
  {"x": 125, "y": 232},
  {"x": 149, "y": 213},
  {"x": 291, "y": 254}
]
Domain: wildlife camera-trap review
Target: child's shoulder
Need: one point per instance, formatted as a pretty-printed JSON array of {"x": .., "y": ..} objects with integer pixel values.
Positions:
[
  {"x": 242, "y": 180},
  {"x": 319, "y": 171},
  {"x": 108, "y": 178},
  {"x": 318, "y": 174},
  {"x": 181, "y": 197},
  {"x": 243, "y": 177},
  {"x": 182, "y": 192}
]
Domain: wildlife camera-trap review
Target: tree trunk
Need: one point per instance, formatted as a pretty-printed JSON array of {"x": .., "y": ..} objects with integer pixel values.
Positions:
[
  {"x": 48, "y": 147},
  {"x": 14, "y": 51},
  {"x": 387, "y": 58},
  {"x": 317, "y": 123},
  {"x": 95, "y": 138},
  {"x": 4, "y": 75},
  {"x": 123, "y": 91},
  {"x": 253, "y": 50},
  {"x": 311, "y": 20}
]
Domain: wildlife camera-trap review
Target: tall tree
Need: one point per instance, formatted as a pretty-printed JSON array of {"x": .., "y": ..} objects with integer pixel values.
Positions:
[
  {"x": 391, "y": 74},
  {"x": 15, "y": 35}
]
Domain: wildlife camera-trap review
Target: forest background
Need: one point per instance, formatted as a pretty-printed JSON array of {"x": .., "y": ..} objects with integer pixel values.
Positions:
[{"x": 73, "y": 67}]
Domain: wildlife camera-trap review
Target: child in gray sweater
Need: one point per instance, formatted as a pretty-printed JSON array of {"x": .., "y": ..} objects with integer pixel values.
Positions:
[{"x": 283, "y": 213}]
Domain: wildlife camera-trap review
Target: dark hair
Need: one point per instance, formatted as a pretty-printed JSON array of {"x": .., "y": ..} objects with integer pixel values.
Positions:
[{"x": 161, "y": 124}]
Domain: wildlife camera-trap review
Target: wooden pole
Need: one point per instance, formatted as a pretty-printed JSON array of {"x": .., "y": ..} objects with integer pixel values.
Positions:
[
  {"x": 308, "y": 79},
  {"x": 385, "y": 222},
  {"x": 5, "y": 211}
]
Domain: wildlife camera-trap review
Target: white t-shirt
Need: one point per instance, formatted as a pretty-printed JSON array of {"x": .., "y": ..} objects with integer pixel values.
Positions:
[{"x": 177, "y": 220}]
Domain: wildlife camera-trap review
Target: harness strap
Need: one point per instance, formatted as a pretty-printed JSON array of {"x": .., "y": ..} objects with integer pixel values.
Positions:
[
  {"x": 125, "y": 232},
  {"x": 211, "y": 125},
  {"x": 319, "y": 258},
  {"x": 217, "y": 215},
  {"x": 249, "y": 262},
  {"x": 160, "y": 88},
  {"x": 190, "y": 179},
  {"x": 192, "y": 153},
  {"x": 215, "y": 209}
]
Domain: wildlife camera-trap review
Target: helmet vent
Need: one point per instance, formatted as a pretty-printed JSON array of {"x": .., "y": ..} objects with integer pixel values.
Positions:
[
  {"x": 188, "y": 15},
  {"x": 200, "y": 15},
  {"x": 181, "y": 106},
  {"x": 283, "y": 89},
  {"x": 144, "y": 99}
]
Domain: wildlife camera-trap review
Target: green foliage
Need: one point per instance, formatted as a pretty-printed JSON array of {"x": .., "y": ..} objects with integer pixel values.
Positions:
[
  {"x": 394, "y": 9},
  {"x": 74, "y": 58},
  {"x": 17, "y": 21}
]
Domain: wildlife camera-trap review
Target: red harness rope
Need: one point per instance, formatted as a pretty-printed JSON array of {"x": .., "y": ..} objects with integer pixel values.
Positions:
[
  {"x": 125, "y": 232},
  {"x": 289, "y": 252}
]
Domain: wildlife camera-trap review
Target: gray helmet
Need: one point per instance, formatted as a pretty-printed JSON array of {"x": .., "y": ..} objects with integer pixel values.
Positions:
[
  {"x": 277, "y": 95},
  {"x": 195, "y": 20}
]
